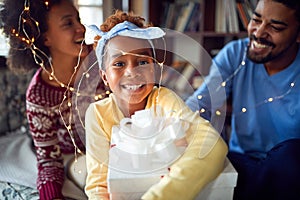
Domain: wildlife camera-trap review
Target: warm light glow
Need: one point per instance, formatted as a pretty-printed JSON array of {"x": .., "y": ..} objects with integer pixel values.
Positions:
[
  {"x": 270, "y": 99},
  {"x": 202, "y": 110}
]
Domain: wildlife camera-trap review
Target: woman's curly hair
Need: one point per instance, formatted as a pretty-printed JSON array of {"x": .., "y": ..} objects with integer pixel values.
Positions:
[{"x": 20, "y": 57}]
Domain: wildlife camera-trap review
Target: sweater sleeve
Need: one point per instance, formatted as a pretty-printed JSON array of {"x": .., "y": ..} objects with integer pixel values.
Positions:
[
  {"x": 49, "y": 158},
  {"x": 97, "y": 147},
  {"x": 202, "y": 161},
  {"x": 191, "y": 173}
]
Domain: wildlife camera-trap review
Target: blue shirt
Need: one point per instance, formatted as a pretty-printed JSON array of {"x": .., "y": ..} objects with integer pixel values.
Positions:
[{"x": 265, "y": 109}]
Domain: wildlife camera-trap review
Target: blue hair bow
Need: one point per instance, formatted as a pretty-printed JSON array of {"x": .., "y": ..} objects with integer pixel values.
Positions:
[{"x": 122, "y": 29}]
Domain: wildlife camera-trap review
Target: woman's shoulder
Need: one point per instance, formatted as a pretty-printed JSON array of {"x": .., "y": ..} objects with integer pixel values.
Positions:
[{"x": 41, "y": 93}]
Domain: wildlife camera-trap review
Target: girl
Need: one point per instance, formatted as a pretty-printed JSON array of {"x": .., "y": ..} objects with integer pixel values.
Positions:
[{"x": 127, "y": 59}]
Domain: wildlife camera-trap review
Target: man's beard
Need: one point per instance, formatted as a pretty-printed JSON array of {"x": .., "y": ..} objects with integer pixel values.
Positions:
[{"x": 258, "y": 58}]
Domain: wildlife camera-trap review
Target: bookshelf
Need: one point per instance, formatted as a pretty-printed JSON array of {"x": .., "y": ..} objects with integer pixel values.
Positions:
[
  {"x": 238, "y": 12},
  {"x": 206, "y": 31}
]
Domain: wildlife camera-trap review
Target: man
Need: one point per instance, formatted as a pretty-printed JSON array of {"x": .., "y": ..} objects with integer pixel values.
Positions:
[{"x": 262, "y": 75}]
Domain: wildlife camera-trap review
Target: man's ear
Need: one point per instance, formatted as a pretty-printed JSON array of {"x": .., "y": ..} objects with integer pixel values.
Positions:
[{"x": 103, "y": 76}]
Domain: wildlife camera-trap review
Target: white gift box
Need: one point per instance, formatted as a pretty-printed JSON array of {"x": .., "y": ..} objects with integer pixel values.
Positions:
[
  {"x": 130, "y": 186},
  {"x": 141, "y": 153}
]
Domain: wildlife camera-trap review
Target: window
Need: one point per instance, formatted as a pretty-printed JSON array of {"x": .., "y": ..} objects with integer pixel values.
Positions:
[
  {"x": 3, "y": 44},
  {"x": 90, "y": 11}
]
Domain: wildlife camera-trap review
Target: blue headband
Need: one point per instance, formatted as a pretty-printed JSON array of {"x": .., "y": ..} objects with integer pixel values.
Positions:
[{"x": 122, "y": 29}]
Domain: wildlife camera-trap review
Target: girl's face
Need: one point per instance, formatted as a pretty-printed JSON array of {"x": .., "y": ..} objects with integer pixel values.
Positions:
[
  {"x": 65, "y": 31},
  {"x": 129, "y": 71}
]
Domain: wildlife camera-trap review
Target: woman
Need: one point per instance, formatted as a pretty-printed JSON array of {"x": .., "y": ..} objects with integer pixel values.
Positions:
[{"x": 48, "y": 36}]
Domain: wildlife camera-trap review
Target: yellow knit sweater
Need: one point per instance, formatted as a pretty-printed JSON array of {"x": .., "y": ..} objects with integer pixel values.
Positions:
[{"x": 202, "y": 161}]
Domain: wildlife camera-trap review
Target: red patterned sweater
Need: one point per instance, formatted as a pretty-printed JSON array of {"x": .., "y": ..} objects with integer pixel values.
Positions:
[{"x": 50, "y": 136}]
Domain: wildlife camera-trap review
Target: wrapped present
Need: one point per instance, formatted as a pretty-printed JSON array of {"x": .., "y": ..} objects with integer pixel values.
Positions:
[
  {"x": 128, "y": 186},
  {"x": 222, "y": 187},
  {"x": 143, "y": 148},
  {"x": 145, "y": 143}
]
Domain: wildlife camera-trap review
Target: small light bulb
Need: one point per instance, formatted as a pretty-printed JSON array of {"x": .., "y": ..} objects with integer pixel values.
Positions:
[{"x": 270, "y": 99}]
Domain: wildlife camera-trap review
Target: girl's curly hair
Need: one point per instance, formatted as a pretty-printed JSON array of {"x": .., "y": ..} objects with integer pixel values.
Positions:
[
  {"x": 20, "y": 57},
  {"x": 119, "y": 17}
]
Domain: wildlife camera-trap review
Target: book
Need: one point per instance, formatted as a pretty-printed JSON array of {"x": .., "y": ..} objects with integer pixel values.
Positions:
[
  {"x": 194, "y": 20},
  {"x": 220, "y": 19},
  {"x": 233, "y": 24},
  {"x": 184, "y": 17},
  {"x": 242, "y": 14},
  {"x": 170, "y": 14},
  {"x": 185, "y": 77}
]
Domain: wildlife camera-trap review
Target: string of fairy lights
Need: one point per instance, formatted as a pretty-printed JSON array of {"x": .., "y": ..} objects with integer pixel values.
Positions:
[
  {"x": 29, "y": 43},
  {"x": 245, "y": 109}
]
